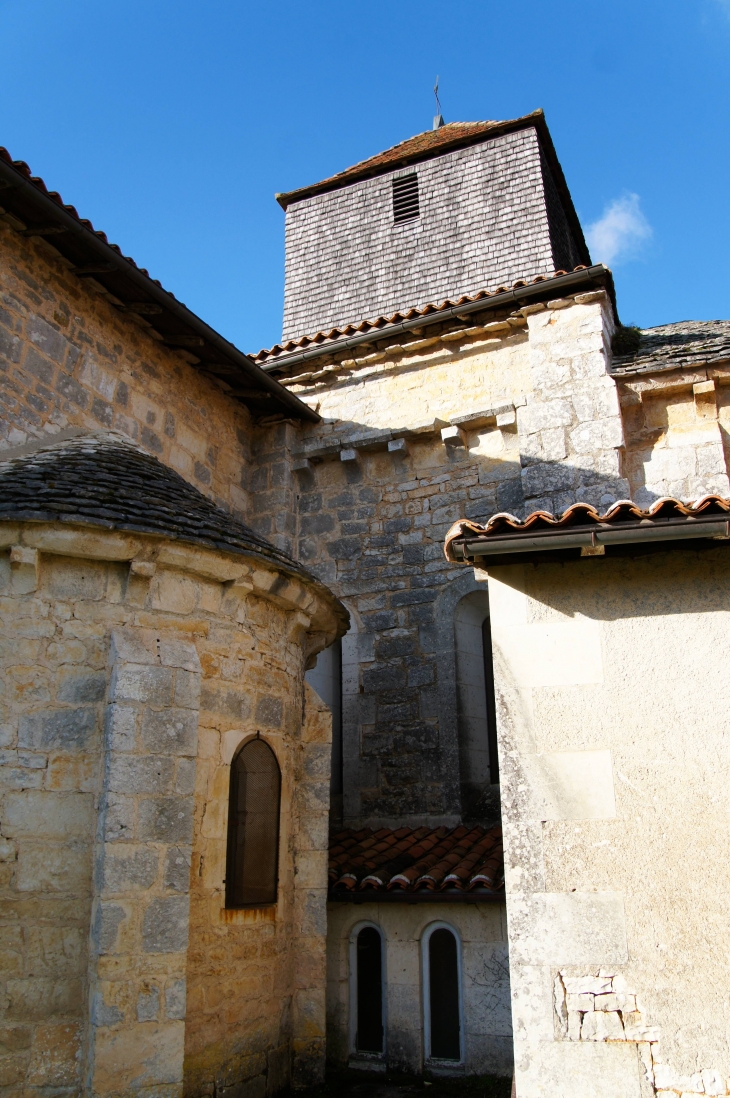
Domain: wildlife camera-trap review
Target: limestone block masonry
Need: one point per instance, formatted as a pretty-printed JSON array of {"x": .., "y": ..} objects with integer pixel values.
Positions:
[
  {"x": 70, "y": 362},
  {"x": 131, "y": 669},
  {"x": 508, "y": 412}
]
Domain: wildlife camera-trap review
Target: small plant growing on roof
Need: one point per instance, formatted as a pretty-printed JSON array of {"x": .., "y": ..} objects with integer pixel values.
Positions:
[{"x": 626, "y": 340}]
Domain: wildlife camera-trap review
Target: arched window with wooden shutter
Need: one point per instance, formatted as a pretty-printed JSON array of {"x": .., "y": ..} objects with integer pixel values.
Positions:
[{"x": 253, "y": 827}]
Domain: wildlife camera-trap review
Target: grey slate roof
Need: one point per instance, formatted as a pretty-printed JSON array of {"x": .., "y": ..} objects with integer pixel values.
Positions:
[
  {"x": 670, "y": 346},
  {"x": 104, "y": 480}
]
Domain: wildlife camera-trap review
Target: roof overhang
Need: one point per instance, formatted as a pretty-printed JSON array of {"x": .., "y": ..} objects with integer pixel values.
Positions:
[
  {"x": 668, "y": 524},
  {"x": 31, "y": 210},
  {"x": 541, "y": 289}
]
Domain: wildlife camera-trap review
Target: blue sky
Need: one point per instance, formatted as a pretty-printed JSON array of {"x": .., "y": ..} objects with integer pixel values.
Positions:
[{"x": 172, "y": 125}]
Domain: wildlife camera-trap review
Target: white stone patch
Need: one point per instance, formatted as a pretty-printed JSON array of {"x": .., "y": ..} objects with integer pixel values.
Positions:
[{"x": 601, "y": 1008}]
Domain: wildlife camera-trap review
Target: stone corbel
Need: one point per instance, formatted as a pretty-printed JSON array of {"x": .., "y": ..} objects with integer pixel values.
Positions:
[
  {"x": 297, "y": 626},
  {"x": 314, "y": 643},
  {"x": 705, "y": 398},
  {"x": 139, "y": 578},
  {"x": 452, "y": 436},
  {"x": 24, "y": 564}
]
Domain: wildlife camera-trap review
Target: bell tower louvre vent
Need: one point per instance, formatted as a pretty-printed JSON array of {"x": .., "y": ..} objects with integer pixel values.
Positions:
[{"x": 405, "y": 198}]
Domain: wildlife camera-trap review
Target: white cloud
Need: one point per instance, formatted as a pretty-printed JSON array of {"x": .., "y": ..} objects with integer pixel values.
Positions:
[{"x": 620, "y": 232}]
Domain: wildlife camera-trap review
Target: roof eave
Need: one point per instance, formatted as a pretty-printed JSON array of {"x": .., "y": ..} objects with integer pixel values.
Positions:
[
  {"x": 546, "y": 288},
  {"x": 595, "y": 539},
  {"x": 120, "y": 273}
]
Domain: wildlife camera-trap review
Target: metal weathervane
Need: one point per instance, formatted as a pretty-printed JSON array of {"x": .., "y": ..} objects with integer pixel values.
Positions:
[{"x": 438, "y": 120}]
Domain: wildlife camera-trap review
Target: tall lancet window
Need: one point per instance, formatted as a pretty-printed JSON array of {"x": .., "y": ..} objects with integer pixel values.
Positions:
[
  {"x": 253, "y": 827},
  {"x": 442, "y": 993}
]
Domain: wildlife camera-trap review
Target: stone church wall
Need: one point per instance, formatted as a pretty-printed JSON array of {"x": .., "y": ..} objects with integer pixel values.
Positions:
[
  {"x": 131, "y": 669},
  {"x": 69, "y": 360},
  {"x": 509, "y": 413},
  {"x": 482, "y": 932},
  {"x": 365, "y": 498}
]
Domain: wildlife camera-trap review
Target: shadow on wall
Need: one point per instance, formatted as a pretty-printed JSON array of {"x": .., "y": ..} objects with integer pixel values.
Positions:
[{"x": 371, "y": 523}]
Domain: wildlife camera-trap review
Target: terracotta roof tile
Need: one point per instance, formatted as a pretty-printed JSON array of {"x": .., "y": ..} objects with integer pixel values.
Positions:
[
  {"x": 583, "y": 515},
  {"x": 271, "y": 355},
  {"x": 419, "y": 859}
]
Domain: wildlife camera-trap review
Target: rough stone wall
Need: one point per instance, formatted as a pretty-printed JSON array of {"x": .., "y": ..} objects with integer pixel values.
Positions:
[
  {"x": 483, "y": 223},
  {"x": 107, "y": 641},
  {"x": 140, "y": 914},
  {"x": 485, "y": 982},
  {"x": 616, "y": 927},
  {"x": 70, "y": 360},
  {"x": 255, "y": 976},
  {"x": 571, "y": 430},
  {"x": 677, "y": 433},
  {"x": 366, "y": 497},
  {"x": 52, "y": 688}
]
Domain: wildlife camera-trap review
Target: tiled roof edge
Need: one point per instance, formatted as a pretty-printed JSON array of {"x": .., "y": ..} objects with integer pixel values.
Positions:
[
  {"x": 382, "y": 327},
  {"x": 582, "y": 516},
  {"x": 21, "y": 191}
]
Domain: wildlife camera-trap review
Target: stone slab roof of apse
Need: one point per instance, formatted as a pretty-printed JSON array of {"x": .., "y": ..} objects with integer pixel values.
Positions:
[
  {"x": 687, "y": 343},
  {"x": 103, "y": 479}
]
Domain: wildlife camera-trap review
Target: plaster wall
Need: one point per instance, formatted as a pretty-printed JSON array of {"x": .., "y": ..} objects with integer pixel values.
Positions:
[
  {"x": 131, "y": 668},
  {"x": 609, "y": 789},
  {"x": 485, "y": 983},
  {"x": 70, "y": 361}
]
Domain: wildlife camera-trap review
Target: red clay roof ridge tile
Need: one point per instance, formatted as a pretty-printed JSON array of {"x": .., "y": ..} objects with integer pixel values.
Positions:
[
  {"x": 334, "y": 335},
  {"x": 461, "y": 858}
]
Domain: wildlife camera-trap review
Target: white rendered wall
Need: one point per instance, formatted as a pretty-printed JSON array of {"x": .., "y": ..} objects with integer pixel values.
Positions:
[{"x": 612, "y": 694}]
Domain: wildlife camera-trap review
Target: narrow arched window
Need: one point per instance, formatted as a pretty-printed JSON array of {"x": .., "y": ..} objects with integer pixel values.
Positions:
[
  {"x": 476, "y": 711},
  {"x": 443, "y": 995},
  {"x": 253, "y": 827},
  {"x": 369, "y": 1005}
]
